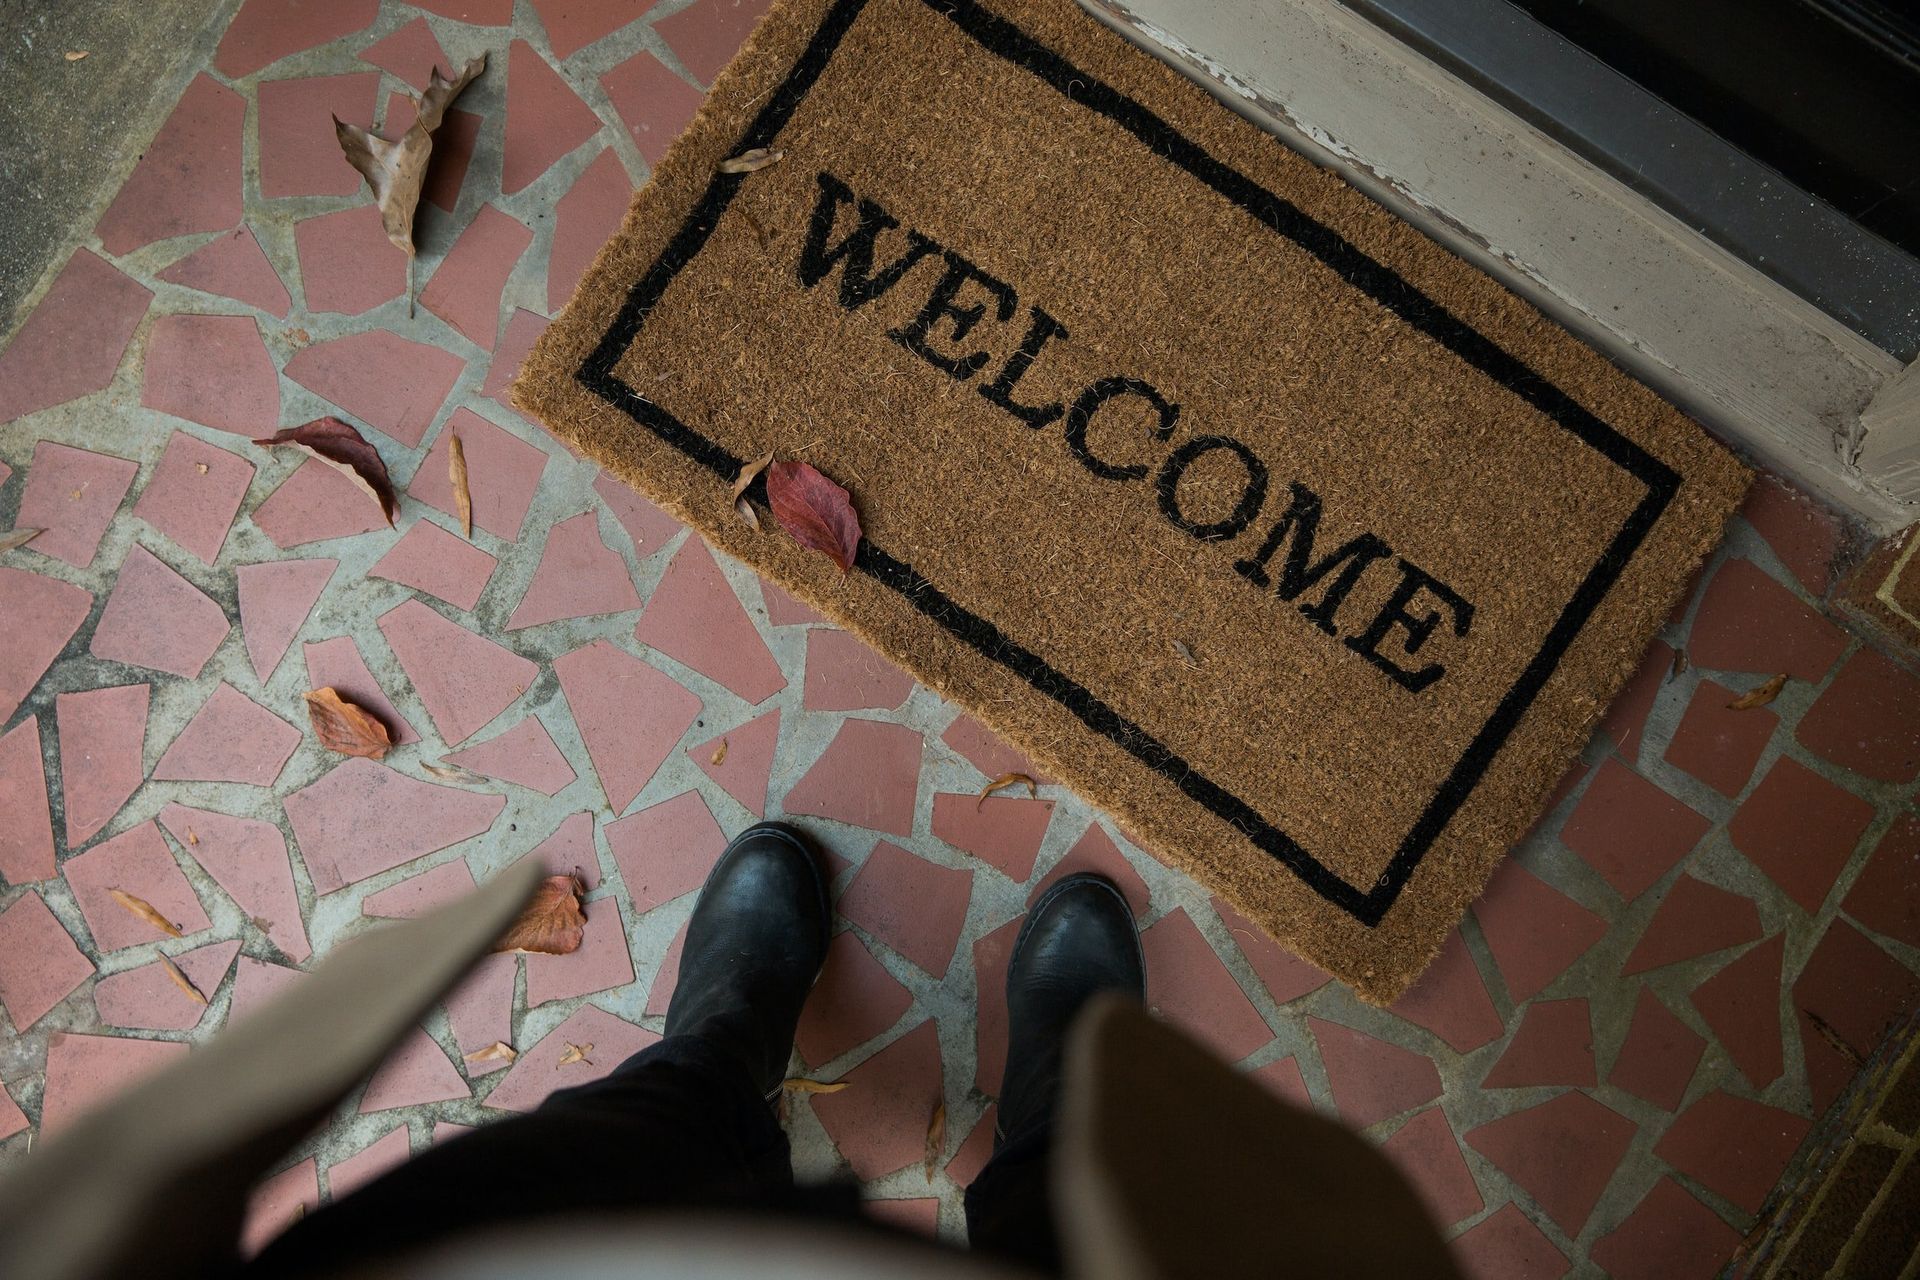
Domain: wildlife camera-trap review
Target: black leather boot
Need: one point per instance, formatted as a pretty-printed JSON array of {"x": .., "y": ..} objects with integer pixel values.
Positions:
[
  {"x": 1079, "y": 940},
  {"x": 754, "y": 947}
]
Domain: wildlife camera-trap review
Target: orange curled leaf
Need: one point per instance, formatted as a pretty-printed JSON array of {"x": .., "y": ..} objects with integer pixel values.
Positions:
[
  {"x": 798, "y": 1085},
  {"x": 552, "y": 923},
  {"x": 816, "y": 511},
  {"x": 498, "y": 1051},
  {"x": 936, "y": 1138},
  {"x": 343, "y": 727},
  {"x": 576, "y": 1053},
  {"x": 145, "y": 910},
  {"x": 1758, "y": 696},
  {"x": 346, "y": 451},
  {"x": 1004, "y": 781},
  {"x": 719, "y": 755},
  {"x": 182, "y": 981},
  {"x": 457, "y": 475}
]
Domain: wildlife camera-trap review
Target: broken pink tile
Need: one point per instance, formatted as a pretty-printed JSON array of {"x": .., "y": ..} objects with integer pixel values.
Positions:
[
  {"x": 1370, "y": 1078},
  {"x": 666, "y": 976},
  {"x": 247, "y": 858},
  {"x": 584, "y": 219},
  {"x": 265, "y": 31},
  {"x": 42, "y": 614},
  {"x": 1747, "y": 621},
  {"x": 481, "y": 13},
  {"x": 347, "y": 264},
  {"x": 1187, "y": 985},
  {"x": 390, "y": 383},
  {"x": 1849, "y": 995},
  {"x": 919, "y": 1217},
  {"x": 233, "y": 265},
  {"x": 257, "y": 985},
  {"x": 26, "y": 837},
  {"x": 299, "y": 153},
  {"x": 147, "y": 998},
  {"x": 655, "y": 104},
  {"x": 195, "y": 491},
  {"x": 136, "y": 861},
  {"x": 417, "y": 895},
  {"x": 441, "y": 564},
  {"x": 1718, "y": 743},
  {"x": 602, "y": 962},
  {"x": 336, "y": 664},
  {"x": 1563, "y": 1151},
  {"x": 277, "y": 1203},
  {"x": 570, "y": 851},
  {"x": 1733, "y": 1147},
  {"x": 1284, "y": 1080},
  {"x": 444, "y": 1130},
  {"x": 783, "y": 608},
  {"x": 212, "y": 370},
  {"x": 1003, "y": 831},
  {"x": 913, "y": 906},
  {"x": 545, "y": 119},
  {"x": 666, "y": 849},
  {"x": 1805, "y": 535},
  {"x": 984, "y": 750},
  {"x": 70, "y": 498},
  {"x": 411, "y": 53},
  {"x": 606, "y": 1042},
  {"x": 1096, "y": 852},
  {"x": 275, "y": 599},
  {"x": 1451, "y": 1000},
  {"x": 879, "y": 1123},
  {"x": 316, "y": 504},
  {"x": 1285, "y": 975},
  {"x": 1534, "y": 931},
  {"x": 1668, "y": 1236},
  {"x": 1631, "y": 831},
  {"x": 1659, "y": 1055},
  {"x": 854, "y": 1000},
  {"x": 975, "y": 1151},
  {"x": 465, "y": 289},
  {"x": 354, "y": 1172},
  {"x": 524, "y": 755},
  {"x": 694, "y": 617},
  {"x": 1427, "y": 1153},
  {"x": 1800, "y": 829},
  {"x": 70, "y": 344},
  {"x": 102, "y": 735},
  {"x": 1885, "y": 895},
  {"x": 85, "y": 1071},
  {"x": 523, "y": 330},
  {"x": 572, "y": 25},
  {"x": 1552, "y": 1045},
  {"x": 453, "y": 144},
  {"x": 480, "y": 1011},
  {"x": 992, "y": 954},
  {"x": 230, "y": 739},
  {"x": 579, "y": 576},
  {"x": 869, "y": 776},
  {"x": 363, "y": 818},
  {"x": 1741, "y": 1004},
  {"x": 1695, "y": 918},
  {"x": 416, "y": 1071},
  {"x": 706, "y": 34},
  {"x": 464, "y": 680},
  {"x": 843, "y": 674},
  {"x": 1505, "y": 1245},
  {"x": 648, "y": 526},
  {"x": 503, "y": 473},
  {"x": 1867, "y": 720},
  {"x": 188, "y": 178},
  {"x": 629, "y": 714},
  {"x": 745, "y": 757},
  {"x": 39, "y": 963},
  {"x": 157, "y": 619}
]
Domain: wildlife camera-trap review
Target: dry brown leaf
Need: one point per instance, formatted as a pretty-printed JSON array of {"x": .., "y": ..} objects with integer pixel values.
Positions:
[
  {"x": 201, "y": 467},
  {"x": 17, "y": 538},
  {"x": 498, "y": 1051},
  {"x": 576, "y": 1053},
  {"x": 453, "y": 773},
  {"x": 1679, "y": 664},
  {"x": 748, "y": 473},
  {"x": 74, "y": 55},
  {"x": 551, "y": 924},
  {"x": 343, "y": 727},
  {"x": 182, "y": 981},
  {"x": 1759, "y": 696},
  {"x": 936, "y": 1137},
  {"x": 745, "y": 511},
  {"x": 719, "y": 755},
  {"x": 1004, "y": 781},
  {"x": 462, "y": 495},
  {"x": 346, "y": 451},
  {"x": 798, "y": 1085},
  {"x": 752, "y": 161},
  {"x": 816, "y": 511},
  {"x": 395, "y": 171},
  {"x": 192, "y": 838},
  {"x": 261, "y": 923},
  {"x": 144, "y": 909}
]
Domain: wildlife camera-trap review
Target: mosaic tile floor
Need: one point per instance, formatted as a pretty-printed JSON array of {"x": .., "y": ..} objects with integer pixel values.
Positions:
[{"x": 1606, "y": 1071}]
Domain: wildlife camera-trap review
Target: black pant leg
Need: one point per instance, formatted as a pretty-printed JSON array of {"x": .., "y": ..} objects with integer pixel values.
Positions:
[{"x": 1010, "y": 1205}]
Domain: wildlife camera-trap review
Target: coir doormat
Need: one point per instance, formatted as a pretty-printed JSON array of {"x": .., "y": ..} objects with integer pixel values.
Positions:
[{"x": 1272, "y": 528}]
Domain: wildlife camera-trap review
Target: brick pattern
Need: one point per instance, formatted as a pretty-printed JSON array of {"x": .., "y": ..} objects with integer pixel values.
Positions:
[{"x": 1681, "y": 967}]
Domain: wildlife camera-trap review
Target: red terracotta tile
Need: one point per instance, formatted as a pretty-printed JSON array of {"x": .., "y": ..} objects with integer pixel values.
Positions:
[
  {"x": 648, "y": 526},
  {"x": 503, "y": 474},
  {"x": 524, "y": 755},
  {"x": 991, "y": 954},
  {"x": 1885, "y": 897},
  {"x": 1732, "y": 1147},
  {"x": 579, "y": 576},
  {"x": 1631, "y": 831},
  {"x": 416, "y": 1071},
  {"x": 537, "y": 1071},
  {"x": 1853, "y": 992},
  {"x": 745, "y": 758},
  {"x": 919, "y": 1217},
  {"x": 1370, "y": 1078},
  {"x": 363, "y": 818},
  {"x": 653, "y": 102},
  {"x": 279, "y": 1202},
  {"x": 157, "y": 619},
  {"x": 12, "y": 1119},
  {"x": 602, "y": 962},
  {"x": 879, "y": 1123},
  {"x": 70, "y": 344},
  {"x": 336, "y": 664},
  {"x": 1694, "y": 919},
  {"x": 854, "y": 1001},
  {"x": 42, "y": 615},
  {"x": 1552, "y": 1045},
  {"x": 1096, "y": 852},
  {"x": 102, "y": 733},
  {"x": 1450, "y": 999},
  {"x": 1003, "y": 831},
  {"x": 1741, "y": 1004},
  {"x": 1659, "y": 1055},
  {"x": 1563, "y": 1152},
  {"x": 357, "y": 1170},
  {"x": 417, "y": 895},
  {"x": 39, "y": 963},
  {"x": 667, "y": 976},
  {"x": 147, "y": 998},
  {"x": 464, "y": 680},
  {"x": 694, "y": 617},
  {"x": 843, "y": 674},
  {"x": 195, "y": 490},
  {"x": 1749, "y": 622},
  {"x": 410, "y": 52},
  {"x": 438, "y": 563},
  {"x": 453, "y": 145},
  {"x": 1805, "y": 535},
  {"x": 666, "y": 849},
  {"x": 545, "y": 119},
  {"x": 257, "y": 985},
  {"x": 265, "y": 31},
  {"x": 85, "y": 1071},
  {"x": 869, "y": 776},
  {"x": 1284, "y": 1081},
  {"x": 913, "y": 906},
  {"x": 247, "y": 858},
  {"x": 187, "y": 179},
  {"x": 784, "y": 609},
  {"x": 572, "y": 25},
  {"x": 233, "y": 265},
  {"x": 973, "y": 1153},
  {"x": 212, "y": 370},
  {"x": 569, "y": 850},
  {"x": 1800, "y": 829},
  {"x": 316, "y": 504},
  {"x": 26, "y": 837},
  {"x": 1506, "y": 1246},
  {"x": 1868, "y": 720},
  {"x": 1626, "y": 719},
  {"x": 71, "y": 496},
  {"x": 465, "y": 289},
  {"x": 630, "y": 715},
  {"x": 299, "y": 153},
  {"x": 583, "y": 220},
  {"x": 1285, "y": 975},
  {"x": 392, "y": 384},
  {"x": 275, "y": 599},
  {"x": 230, "y": 739},
  {"x": 480, "y": 1011},
  {"x": 984, "y": 750},
  {"x": 138, "y": 862},
  {"x": 516, "y": 340},
  {"x": 705, "y": 34},
  {"x": 1717, "y": 744},
  {"x": 1534, "y": 931},
  {"x": 347, "y": 264},
  {"x": 1188, "y": 986},
  {"x": 1425, "y": 1151},
  {"x": 1669, "y": 1236},
  {"x": 481, "y": 13}
]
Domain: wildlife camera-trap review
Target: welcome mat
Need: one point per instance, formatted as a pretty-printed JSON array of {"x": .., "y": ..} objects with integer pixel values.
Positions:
[{"x": 1300, "y": 546}]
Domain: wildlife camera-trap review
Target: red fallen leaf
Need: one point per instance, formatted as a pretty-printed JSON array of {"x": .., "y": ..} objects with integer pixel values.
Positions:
[
  {"x": 1759, "y": 696},
  {"x": 346, "y": 451},
  {"x": 816, "y": 511},
  {"x": 551, "y": 924},
  {"x": 343, "y": 727}
]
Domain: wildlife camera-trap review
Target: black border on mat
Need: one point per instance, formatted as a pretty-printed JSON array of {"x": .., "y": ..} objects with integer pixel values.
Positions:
[{"x": 997, "y": 35}]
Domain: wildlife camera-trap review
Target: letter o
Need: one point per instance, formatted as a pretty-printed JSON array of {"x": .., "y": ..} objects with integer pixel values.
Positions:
[{"x": 1251, "y": 498}]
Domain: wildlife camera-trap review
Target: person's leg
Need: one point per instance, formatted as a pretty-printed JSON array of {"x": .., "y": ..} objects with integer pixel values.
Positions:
[
  {"x": 686, "y": 1121},
  {"x": 1078, "y": 940}
]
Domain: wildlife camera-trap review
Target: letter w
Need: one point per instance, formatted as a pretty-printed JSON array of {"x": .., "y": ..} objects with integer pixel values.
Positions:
[
  {"x": 1298, "y": 571},
  {"x": 858, "y": 283}
]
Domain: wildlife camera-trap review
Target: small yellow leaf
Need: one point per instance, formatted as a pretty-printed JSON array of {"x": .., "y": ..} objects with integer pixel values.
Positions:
[
  {"x": 181, "y": 981},
  {"x": 1758, "y": 696},
  {"x": 936, "y": 1138},
  {"x": 797, "y": 1085},
  {"x": 462, "y": 495},
  {"x": 575, "y": 1053},
  {"x": 720, "y": 753},
  {"x": 752, "y": 161},
  {"x": 498, "y": 1051},
  {"x": 1004, "y": 781},
  {"x": 144, "y": 909},
  {"x": 192, "y": 838}
]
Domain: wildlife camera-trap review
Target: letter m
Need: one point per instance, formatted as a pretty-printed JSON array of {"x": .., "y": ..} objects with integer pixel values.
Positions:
[
  {"x": 854, "y": 252},
  {"x": 1299, "y": 571}
]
